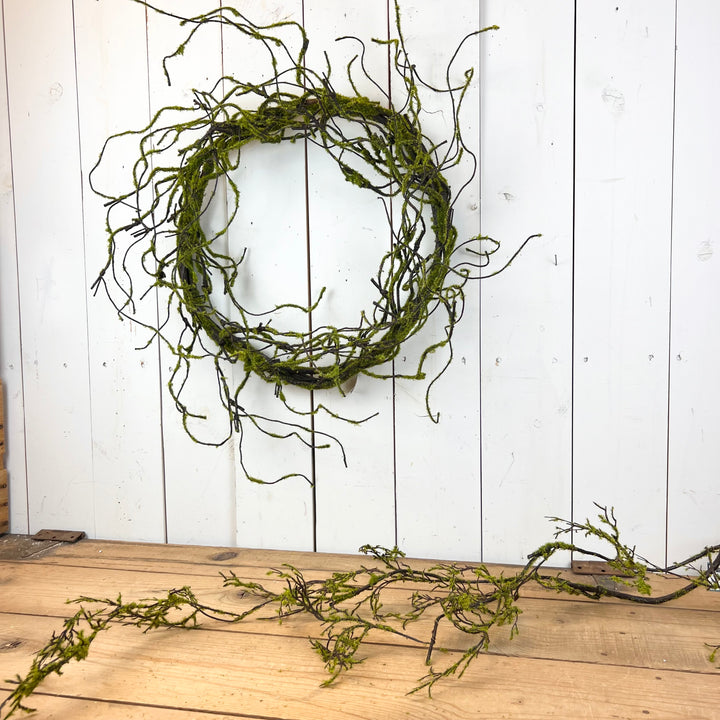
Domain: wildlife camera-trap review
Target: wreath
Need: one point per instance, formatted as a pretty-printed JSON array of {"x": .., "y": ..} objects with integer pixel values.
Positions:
[
  {"x": 329, "y": 356},
  {"x": 187, "y": 155}
]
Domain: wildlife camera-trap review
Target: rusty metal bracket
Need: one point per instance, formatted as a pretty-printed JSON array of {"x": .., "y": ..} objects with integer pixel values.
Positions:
[
  {"x": 69, "y": 536},
  {"x": 595, "y": 567}
]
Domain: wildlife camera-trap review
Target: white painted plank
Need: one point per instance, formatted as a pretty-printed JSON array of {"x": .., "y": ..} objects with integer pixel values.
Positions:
[
  {"x": 10, "y": 341},
  {"x": 438, "y": 465},
  {"x": 124, "y": 383},
  {"x": 694, "y": 453},
  {"x": 526, "y": 179},
  {"x": 46, "y": 171},
  {"x": 622, "y": 243},
  {"x": 349, "y": 234},
  {"x": 270, "y": 229},
  {"x": 200, "y": 479}
]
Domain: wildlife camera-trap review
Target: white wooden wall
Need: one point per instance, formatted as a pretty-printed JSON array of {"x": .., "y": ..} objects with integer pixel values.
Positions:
[{"x": 585, "y": 373}]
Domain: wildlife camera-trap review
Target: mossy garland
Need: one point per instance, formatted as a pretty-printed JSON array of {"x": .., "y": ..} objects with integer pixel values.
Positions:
[
  {"x": 350, "y": 606},
  {"x": 187, "y": 156}
]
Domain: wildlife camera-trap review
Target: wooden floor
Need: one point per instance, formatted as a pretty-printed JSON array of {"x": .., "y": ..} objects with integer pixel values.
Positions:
[{"x": 572, "y": 659}]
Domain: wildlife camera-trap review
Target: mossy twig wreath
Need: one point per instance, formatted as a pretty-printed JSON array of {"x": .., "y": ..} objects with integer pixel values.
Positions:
[
  {"x": 376, "y": 147},
  {"x": 352, "y": 606}
]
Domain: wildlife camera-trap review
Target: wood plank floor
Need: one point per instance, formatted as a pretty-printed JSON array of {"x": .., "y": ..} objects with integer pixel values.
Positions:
[{"x": 572, "y": 658}]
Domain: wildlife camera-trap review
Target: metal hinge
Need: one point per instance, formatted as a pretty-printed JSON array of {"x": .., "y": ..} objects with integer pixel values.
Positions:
[
  {"x": 596, "y": 567},
  {"x": 69, "y": 536}
]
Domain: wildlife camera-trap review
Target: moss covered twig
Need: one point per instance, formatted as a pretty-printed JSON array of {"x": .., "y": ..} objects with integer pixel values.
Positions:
[
  {"x": 352, "y": 605},
  {"x": 179, "y": 608}
]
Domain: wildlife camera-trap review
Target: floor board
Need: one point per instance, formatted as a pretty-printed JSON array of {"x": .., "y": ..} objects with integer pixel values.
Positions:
[{"x": 572, "y": 658}]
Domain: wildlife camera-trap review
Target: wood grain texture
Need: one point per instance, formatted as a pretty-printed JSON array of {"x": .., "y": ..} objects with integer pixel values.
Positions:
[
  {"x": 576, "y": 659},
  {"x": 55, "y": 707},
  {"x": 551, "y": 627},
  {"x": 4, "y": 493},
  {"x": 209, "y": 562},
  {"x": 279, "y": 677},
  {"x": 4, "y": 499}
]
